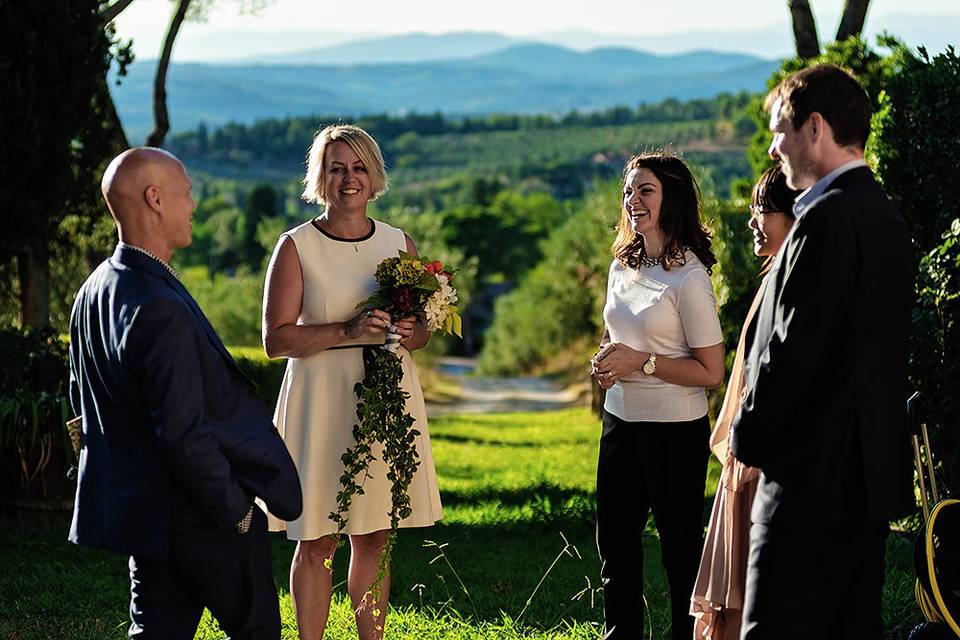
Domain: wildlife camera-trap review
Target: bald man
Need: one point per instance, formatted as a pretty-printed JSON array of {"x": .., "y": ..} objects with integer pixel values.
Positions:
[{"x": 175, "y": 445}]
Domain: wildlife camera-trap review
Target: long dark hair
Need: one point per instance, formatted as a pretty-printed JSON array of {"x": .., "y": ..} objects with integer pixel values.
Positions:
[{"x": 679, "y": 215}]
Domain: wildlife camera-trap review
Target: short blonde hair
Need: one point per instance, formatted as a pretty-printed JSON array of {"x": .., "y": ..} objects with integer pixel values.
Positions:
[{"x": 362, "y": 144}]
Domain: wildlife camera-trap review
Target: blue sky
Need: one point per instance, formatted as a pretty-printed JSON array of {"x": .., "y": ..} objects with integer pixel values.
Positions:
[{"x": 286, "y": 25}]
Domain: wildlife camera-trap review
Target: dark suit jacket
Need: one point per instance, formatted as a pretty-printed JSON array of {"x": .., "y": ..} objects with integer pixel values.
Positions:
[
  {"x": 170, "y": 424},
  {"x": 823, "y": 415}
]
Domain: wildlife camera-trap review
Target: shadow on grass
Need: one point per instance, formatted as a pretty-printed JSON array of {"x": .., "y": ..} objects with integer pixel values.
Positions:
[
  {"x": 542, "y": 492},
  {"x": 56, "y": 589},
  {"x": 501, "y": 567},
  {"x": 492, "y": 442},
  {"x": 53, "y": 589}
]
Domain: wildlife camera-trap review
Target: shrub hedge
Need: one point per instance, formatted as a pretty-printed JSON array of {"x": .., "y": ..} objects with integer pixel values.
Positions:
[{"x": 917, "y": 132}]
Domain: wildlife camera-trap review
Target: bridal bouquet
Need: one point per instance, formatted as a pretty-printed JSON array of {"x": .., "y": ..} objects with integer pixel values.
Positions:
[
  {"x": 413, "y": 285},
  {"x": 407, "y": 286}
]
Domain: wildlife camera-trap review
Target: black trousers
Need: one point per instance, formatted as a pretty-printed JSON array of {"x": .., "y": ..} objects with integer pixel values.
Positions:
[
  {"x": 644, "y": 466},
  {"x": 229, "y": 573},
  {"x": 823, "y": 583}
]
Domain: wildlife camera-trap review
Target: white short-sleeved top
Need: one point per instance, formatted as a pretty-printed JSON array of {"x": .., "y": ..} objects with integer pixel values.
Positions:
[{"x": 666, "y": 312}]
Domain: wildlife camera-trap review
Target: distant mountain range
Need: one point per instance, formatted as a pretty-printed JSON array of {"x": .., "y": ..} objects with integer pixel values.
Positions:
[
  {"x": 523, "y": 78},
  {"x": 209, "y": 43},
  {"x": 409, "y": 47}
]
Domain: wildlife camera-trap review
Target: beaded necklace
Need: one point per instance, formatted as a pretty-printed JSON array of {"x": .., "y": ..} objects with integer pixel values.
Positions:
[{"x": 172, "y": 271}]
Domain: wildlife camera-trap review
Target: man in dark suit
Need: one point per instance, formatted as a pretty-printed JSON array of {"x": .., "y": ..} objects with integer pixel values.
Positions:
[
  {"x": 823, "y": 410},
  {"x": 175, "y": 445}
]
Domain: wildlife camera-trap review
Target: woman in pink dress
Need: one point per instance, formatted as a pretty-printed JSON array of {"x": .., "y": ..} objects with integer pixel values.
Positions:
[{"x": 717, "y": 601}]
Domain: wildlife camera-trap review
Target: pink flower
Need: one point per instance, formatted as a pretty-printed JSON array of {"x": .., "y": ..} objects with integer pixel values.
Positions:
[{"x": 433, "y": 268}]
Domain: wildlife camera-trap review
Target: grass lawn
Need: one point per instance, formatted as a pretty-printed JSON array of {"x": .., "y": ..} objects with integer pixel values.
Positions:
[{"x": 514, "y": 486}]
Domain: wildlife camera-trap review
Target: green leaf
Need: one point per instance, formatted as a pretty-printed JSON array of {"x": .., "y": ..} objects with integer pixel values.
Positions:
[{"x": 457, "y": 324}]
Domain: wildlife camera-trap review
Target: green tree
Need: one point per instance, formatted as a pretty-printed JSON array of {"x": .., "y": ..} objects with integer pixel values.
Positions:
[
  {"x": 55, "y": 54},
  {"x": 504, "y": 236},
  {"x": 261, "y": 203},
  {"x": 560, "y": 300},
  {"x": 226, "y": 251},
  {"x": 916, "y": 132}
]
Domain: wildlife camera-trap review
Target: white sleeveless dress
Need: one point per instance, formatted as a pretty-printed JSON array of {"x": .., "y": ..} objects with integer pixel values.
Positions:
[{"x": 316, "y": 409}]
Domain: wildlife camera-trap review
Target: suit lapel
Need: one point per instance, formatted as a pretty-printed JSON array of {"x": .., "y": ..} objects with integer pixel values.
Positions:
[
  {"x": 177, "y": 286},
  {"x": 761, "y": 326},
  {"x": 134, "y": 259},
  {"x": 750, "y": 329}
]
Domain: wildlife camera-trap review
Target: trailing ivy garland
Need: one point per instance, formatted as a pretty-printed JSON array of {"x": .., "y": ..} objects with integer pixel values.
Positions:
[
  {"x": 407, "y": 286},
  {"x": 383, "y": 418}
]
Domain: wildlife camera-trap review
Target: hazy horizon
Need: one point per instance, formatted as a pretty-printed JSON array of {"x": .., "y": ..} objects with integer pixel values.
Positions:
[{"x": 286, "y": 26}]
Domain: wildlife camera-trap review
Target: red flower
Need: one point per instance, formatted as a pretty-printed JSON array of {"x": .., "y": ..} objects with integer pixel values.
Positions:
[
  {"x": 433, "y": 268},
  {"x": 403, "y": 299}
]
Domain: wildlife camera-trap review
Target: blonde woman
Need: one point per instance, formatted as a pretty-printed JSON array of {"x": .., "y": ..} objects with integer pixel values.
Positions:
[{"x": 319, "y": 271}]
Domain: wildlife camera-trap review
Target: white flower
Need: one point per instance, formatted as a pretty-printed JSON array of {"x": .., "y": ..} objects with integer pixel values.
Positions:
[{"x": 438, "y": 305}]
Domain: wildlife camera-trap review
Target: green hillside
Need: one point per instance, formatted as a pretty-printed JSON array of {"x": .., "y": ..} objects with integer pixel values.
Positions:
[{"x": 430, "y": 156}]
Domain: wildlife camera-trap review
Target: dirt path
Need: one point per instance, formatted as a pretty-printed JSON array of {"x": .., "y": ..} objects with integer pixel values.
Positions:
[{"x": 500, "y": 395}]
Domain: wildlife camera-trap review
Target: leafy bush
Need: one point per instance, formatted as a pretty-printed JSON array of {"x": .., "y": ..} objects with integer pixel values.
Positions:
[
  {"x": 34, "y": 361},
  {"x": 33, "y": 405},
  {"x": 935, "y": 352},
  {"x": 232, "y": 303},
  {"x": 267, "y": 374},
  {"x": 504, "y": 236},
  {"x": 917, "y": 132}
]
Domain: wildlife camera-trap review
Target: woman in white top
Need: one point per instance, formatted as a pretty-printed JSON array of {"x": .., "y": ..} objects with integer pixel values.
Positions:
[{"x": 661, "y": 348}]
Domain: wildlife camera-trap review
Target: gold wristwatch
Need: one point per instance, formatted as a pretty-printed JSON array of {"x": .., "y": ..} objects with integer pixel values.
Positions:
[{"x": 650, "y": 366}]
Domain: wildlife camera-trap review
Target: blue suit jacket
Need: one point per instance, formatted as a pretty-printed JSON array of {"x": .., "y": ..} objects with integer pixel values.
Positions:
[{"x": 169, "y": 421}]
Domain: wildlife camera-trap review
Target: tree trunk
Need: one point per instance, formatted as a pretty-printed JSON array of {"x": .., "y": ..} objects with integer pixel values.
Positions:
[
  {"x": 854, "y": 16},
  {"x": 114, "y": 10},
  {"x": 804, "y": 29},
  {"x": 160, "y": 118},
  {"x": 33, "y": 265},
  {"x": 118, "y": 137}
]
